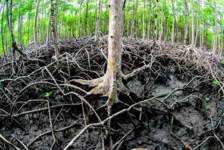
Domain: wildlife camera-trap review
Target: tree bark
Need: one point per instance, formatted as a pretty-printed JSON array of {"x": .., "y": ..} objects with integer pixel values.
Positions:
[
  {"x": 35, "y": 25},
  {"x": 215, "y": 29},
  {"x": 133, "y": 19},
  {"x": 161, "y": 30},
  {"x": 109, "y": 83},
  {"x": 143, "y": 21},
  {"x": 79, "y": 21},
  {"x": 149, "y": 21},
  {"x": 10, "y": 22},
  {"x": 97, "y": 20},
  {"x": 172, "y": 38},
  {"x": 196, "y": 33},
  {"x": 106, "y": 20},
  {"x": 2, "y": 33},
  {"x": 86, "y": 17},
  {"x": 53, "y": 30},
  {"x": 48, "y": 29},
  {"x": 19, "y": 23},
  {"x": 186, "y": 21},
  {"x": 192, "y": 24}
]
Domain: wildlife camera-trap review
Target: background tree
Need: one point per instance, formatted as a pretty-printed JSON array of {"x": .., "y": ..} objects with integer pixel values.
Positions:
[
  {"x": 35, "y": 24},
  {"x": 53, "y": 30},
  {"x": 79, "y": 18}
]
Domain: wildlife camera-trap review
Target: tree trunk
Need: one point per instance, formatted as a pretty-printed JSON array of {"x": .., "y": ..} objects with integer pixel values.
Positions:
[
  {"x": 221, "y": 39},
  {"x": 192, "y": 24},
  {"x": 215, "y": 29},
  {"x": 161, "y": 30},
  {"x": 172, "y": 38},
  {"x": 19, "y": 23},
  {"x": 20, "y": 30},
  {"x": 2, "y": 33},
  {"x": 48, "y": 29},
  {"x": 86, "y": 17},
  {"x": 133, "y": 19},
  {"x": 149, "y": 21},
  {"x": 10, "y": 22},
  {"x": 115, "y": 48},
  {"x": 53, "y": 30},
  {"x": 97, "y": 20},
  {"x": 196, "y": 32},
  {"x": 35, "y": 25},
  {"x": 108, "y": 84},
  {"x": 79, "y": 21},
  {"x": 143, "y": 21},
  {"x": 106, "y": 20},
  {"x": 186, "y": 21}
]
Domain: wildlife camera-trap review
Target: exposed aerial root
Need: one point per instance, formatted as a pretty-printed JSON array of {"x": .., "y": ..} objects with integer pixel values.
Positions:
[
  {"x": 92, "y": 83},
  {"x": 136, "y": 71},
  {"x": 101, "y": 86},
  {"x": 150, "y": 73}
]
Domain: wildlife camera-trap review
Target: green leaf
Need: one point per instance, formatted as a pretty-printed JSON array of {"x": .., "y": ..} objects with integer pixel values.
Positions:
[
  {"x": 215, "y": 83},
  {"x": 206, "y": 99},
  {"x": 47, "y": 94},
  {"x": 222, "y": 61}
]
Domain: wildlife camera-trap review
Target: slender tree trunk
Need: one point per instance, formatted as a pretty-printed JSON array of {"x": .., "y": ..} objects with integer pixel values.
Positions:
[
  {"x": 97, "y": 20},
  {"x": 166, "y": 32},
  {"x": 192, "y": 24},
  {"x": 143, "y": 21},
  {"x": 2, "y": 32},
  {"x": 173, "y": 23},
  {"x": 133, "y": 19},
  {"x": 196, "y": 36},
  {"x": 86, "y": 17},
  {"x": 106, "y": 20},
  {"x": 20, "y": 30},
  {"x": 28, "y": 28},
  {"x": 136, "y": 19},
  {"x": 221, "y": 39},
  {"x": 161, "y": 30},
  {"x": 35, "y": 25},
  {"x": 215, "y": 29},
  {"x": 155, "y": 20},
  {"x": 107, "y": 85},
  {"x": 10, "y": 23},
  {"x": 149, "y": 21},
  {"x": 186, "y": 21},
  {"x": 201, "y": 38},
  {"x": 19, "y": 21},
  {"x": 79, "y": 21},
  {"x": 165, "y": 20},
  {"x": 124, "y": 21},
  {"x": 115, "y": 48},
  {"x": 53, "y": 30},
  {"x": 48, "y": 30}
]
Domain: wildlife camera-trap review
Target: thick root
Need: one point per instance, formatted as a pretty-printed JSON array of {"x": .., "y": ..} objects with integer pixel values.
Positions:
[
  {"x": 92, "y": 83},
  {"x": 102, "y": 86},
  {"x": 135, "y": 72}
]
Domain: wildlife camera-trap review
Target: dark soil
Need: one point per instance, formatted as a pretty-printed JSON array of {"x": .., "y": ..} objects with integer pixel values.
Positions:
[{"x": 184, "y": 88}]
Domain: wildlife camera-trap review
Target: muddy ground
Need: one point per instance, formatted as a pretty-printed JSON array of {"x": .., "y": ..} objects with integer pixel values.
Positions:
[{"x": 176, "y": 103}]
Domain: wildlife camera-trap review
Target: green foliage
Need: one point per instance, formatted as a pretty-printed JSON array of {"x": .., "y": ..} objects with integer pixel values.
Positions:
[
  {"x": 47, "y": 94},
  {"x": 222, "y": 61},
  {"x": 207, "y": 99},
  {"x": 215, "y": 83},
  {"x": 68, "y": 12}
]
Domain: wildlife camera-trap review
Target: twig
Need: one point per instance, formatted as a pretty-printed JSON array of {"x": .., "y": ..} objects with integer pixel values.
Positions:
[{"x": 8, "y": 142}]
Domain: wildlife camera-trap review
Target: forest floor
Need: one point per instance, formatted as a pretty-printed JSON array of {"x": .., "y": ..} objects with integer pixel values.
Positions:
[{"x": 176, "y": 103}]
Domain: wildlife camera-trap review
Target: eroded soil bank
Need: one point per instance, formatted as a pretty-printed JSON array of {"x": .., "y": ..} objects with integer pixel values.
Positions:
[{"x": 175, "y": 104}]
